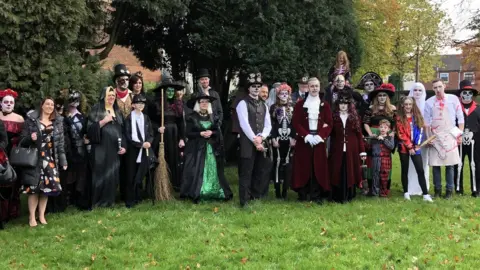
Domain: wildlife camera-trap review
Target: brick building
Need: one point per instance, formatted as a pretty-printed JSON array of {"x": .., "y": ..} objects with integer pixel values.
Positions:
[
  {"x": 125, "y": 56},
  {"x": 454, "y": 70}
]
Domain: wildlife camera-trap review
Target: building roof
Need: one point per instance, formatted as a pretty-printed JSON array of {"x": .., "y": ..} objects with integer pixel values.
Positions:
[{"x": 453, "y": 62}]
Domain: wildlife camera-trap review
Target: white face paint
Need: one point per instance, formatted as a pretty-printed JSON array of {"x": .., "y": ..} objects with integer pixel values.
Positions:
[
  {"x": 340, "y": 83},
  {"x": 122, "y": 82},
  {"x": 382, "y": 98},
  {"x": 8, "y": 104},
  {"x": 369, "y": 86},
  {"x": 467, "y": 96},
  {"x": 254, "y": 90},
  {"x": 418, "y": 93},
  {"x": 283, "y": 96},
  {"x": 343, "y": 107}
]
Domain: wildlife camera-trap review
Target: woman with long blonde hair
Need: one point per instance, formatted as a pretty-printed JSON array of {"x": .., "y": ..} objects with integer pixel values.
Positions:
[
  {"x": 380, "y": 109},
  {"x": 341, "y": 67}
]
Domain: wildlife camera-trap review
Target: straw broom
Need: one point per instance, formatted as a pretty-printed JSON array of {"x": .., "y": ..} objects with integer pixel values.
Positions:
[{"x": 163, "y": 187}]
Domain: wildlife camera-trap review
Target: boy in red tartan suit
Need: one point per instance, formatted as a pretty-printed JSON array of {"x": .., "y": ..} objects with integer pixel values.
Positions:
[{"x": 382, "y": 147}]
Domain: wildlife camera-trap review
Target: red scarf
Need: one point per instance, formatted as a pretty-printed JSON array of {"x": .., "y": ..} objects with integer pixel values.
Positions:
[{"x": 121, "y": 94}]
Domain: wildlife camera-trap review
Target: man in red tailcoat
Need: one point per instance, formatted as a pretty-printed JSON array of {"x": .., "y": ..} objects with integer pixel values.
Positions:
[{"x": 312, "y": 120}]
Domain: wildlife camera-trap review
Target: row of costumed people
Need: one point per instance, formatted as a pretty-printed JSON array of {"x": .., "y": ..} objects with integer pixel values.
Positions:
[{"x": 314, "y": 142}]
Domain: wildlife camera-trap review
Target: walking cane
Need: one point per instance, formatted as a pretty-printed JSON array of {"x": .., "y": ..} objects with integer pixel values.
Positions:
[{"x": 472, "y": 167}]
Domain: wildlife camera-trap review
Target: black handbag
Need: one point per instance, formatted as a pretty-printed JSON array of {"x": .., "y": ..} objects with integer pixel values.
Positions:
[
  {"x": 7, "y": 174},
  {"x": 24, "y": 157}
]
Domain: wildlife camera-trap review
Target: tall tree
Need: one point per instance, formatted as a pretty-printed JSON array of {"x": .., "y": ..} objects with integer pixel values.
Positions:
[
  {"x": 41, "y": 48},
  {"x": 282, "y": 39},
  {"x": 422, "y": 29}
]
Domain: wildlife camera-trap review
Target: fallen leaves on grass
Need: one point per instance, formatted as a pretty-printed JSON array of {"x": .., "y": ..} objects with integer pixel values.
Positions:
[
  {"x": 93, "y": 257},
  {"x": 244, "y": 260},
  {"x": 324, "y": 231},
  {"x": 215, "y": 210}
]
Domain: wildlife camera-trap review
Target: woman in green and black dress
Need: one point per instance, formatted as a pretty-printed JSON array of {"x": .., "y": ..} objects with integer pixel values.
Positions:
[{"x": 203, "y": 176}]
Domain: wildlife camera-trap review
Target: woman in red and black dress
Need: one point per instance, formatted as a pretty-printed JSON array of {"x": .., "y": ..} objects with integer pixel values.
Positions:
[
  {"x": 346, "y": 150},
  {"x": 10, "y": 197}
]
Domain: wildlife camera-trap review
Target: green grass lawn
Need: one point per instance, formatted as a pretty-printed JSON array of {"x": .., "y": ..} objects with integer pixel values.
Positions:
[{"x": 369, "y": 233}]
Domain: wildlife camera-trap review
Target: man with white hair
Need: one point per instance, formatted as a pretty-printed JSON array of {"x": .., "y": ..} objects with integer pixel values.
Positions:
[{"x": 312, "y": 121}]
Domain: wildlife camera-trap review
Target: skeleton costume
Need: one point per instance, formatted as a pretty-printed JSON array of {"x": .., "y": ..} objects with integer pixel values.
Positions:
[
  {"x": 470, "y": 140},
  {"x": 282, "y": 135},
  {"x": 254, "y": 119}
]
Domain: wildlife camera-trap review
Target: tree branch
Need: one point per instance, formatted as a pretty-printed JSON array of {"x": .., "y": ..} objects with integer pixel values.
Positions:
[{"x": 116, "y": 30}]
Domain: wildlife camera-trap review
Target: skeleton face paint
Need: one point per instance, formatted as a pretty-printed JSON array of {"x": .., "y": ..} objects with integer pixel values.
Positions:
[
  {"x": 340, "y": 83},
  {"x": 382, "y": 98},
  {"x": 170, "y": 93},
  {"x": 122, "y": 82},
  {"x": 8, "y": 104},
  {"x": 369, "y": 86},
  {"x": 254, "y": 90},
  {"x": 283, "y": 96},
  {"x": 467, "y": 96}
]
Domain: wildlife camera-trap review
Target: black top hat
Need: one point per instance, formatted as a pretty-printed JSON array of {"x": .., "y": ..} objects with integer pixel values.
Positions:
[
  {"x": 140, "y": 98},
  {"x": 191, "y": 102},
  {"x": 254, "y": 78},
  {"x": 303, "y": 79},
  {"x": 467, "y": 85},
  {"x": 203, "y": 73},
  {"x": 120, "y": 70},
  {"x": 370, "y": 76},
  {"x": 167, "y": 81}
]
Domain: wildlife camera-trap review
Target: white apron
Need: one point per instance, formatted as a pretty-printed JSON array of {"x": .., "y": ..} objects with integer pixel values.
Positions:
[{"x": 444, "y": 151}]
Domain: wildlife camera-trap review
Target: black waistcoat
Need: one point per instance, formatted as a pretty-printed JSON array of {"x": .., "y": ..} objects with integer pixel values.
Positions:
[{"x": 256, "y": 118}]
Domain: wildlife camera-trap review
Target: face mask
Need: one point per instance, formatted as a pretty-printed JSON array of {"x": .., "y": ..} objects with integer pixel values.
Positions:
[
  {"x": 467, "y": 96},
  {"x": 283, "y": 96},
  {"x": 170, "y": 93},
  {"x": 369, "y": 87},
  {"x": 8, "y": 104}
]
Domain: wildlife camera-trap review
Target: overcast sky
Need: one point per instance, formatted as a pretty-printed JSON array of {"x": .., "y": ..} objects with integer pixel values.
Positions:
[{"x": 460, "y": 12}]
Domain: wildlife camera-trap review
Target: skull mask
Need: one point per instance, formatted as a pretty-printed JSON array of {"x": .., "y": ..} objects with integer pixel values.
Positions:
[{"x": 467, "y": 96}]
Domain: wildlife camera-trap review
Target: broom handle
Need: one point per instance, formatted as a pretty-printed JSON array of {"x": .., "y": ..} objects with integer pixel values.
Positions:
[{"x": 163, "y": 115}]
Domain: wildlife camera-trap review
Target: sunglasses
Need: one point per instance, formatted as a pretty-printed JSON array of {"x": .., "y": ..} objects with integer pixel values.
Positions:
[
  {"x": 256, "y": 86},
  {"x": 6, "y": 102}
]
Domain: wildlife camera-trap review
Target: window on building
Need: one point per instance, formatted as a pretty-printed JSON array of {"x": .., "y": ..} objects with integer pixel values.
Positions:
[
  {"x": 469, "y": 76},
  {"x": 444, "y": 77}
]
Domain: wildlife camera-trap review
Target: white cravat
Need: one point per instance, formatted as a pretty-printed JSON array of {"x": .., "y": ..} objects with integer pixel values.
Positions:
[{"x": 313, "y": 106}]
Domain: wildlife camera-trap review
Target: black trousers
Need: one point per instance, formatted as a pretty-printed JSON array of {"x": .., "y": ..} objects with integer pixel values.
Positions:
[
  {"x": 252, "y": 179},
  {"x": 467, "y": 151},
  {"x": 418, "y": 164}
]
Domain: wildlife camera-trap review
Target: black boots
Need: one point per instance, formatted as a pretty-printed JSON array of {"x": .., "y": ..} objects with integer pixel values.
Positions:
[
  {"x": 438, "y": 193},
  {"x": 448, "y": 195}
]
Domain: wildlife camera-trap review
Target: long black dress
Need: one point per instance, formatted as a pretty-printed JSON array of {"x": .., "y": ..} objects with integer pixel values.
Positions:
[
  {"x": 203, "y": 157},
  {"x": 105, "y": 160}
]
